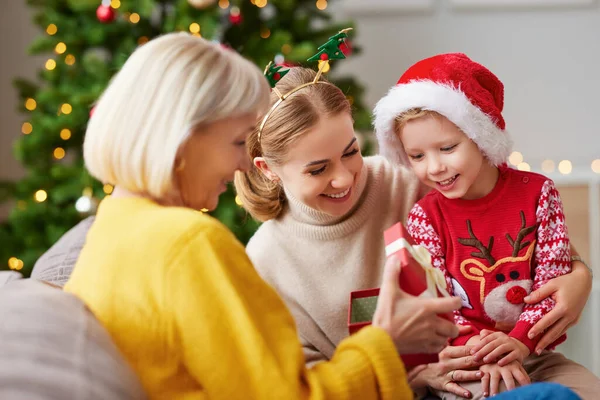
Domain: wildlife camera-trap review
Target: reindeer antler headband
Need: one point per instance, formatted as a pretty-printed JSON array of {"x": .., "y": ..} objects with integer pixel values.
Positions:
[{"x": 328, "y": 51}]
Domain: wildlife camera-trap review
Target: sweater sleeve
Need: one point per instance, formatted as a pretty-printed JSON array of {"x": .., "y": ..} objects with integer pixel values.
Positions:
[
  {"x": 238, "y": 340},
  {"x": 552, "y": 259},
  {"x": 422, "y": 231}
]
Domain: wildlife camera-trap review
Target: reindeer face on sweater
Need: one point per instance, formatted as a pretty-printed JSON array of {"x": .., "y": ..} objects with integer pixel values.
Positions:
[{"x": 503, "y": 283}]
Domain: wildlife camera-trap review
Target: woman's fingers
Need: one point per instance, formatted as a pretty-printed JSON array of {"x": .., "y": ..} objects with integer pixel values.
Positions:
[
  {"x": 455, "y": 352},
  {"x": 445, "y": 328},
  {"x": 485, "y": 385},
  {"x": 456, "y": 389},
  {"x": 458, "y": 375},
  {"x": 540, "y": 294},
  {"x": 412, "y": 374},
  {"x": 552, "y": 334},
  {"x": 546, "y": 322}
]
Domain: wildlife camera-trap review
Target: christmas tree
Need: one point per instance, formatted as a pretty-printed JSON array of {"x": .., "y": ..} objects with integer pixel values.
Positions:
[{"x": 87, "y": 41}]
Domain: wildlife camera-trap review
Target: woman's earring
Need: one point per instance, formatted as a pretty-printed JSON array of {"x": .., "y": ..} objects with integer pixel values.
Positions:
[{"x": 180, "y": 166}]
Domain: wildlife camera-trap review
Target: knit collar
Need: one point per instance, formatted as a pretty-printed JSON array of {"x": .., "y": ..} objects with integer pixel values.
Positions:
[{"x": 308, "y": 222}]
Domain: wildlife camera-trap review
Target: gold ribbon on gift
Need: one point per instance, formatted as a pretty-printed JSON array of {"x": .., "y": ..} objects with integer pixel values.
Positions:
[{"x": 435, "y": 277}]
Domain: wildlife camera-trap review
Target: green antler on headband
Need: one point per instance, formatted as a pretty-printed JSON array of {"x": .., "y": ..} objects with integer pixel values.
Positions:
[
  {"x": 331, "y": 49},
  {"x": 273, "y": 74}
]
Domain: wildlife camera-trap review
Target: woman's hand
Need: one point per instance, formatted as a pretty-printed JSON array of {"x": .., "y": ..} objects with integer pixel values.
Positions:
[
  {"x": 570, "y": 292},
  {"x": 413, "y": 322},
  {"x": 510, "y": 373},
  {"x": 444, "y": 375}
]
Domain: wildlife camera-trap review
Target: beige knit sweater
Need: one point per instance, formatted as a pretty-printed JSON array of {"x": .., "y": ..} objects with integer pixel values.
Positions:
[{"x": 314, "y": 261}]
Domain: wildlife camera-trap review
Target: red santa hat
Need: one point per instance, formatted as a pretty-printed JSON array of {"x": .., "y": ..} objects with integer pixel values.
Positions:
[{"x": 453, "y": 85}]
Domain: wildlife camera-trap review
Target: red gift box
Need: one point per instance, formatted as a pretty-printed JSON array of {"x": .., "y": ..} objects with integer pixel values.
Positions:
[
  {"x": 413, "y": 280},
  {"x": 356, "y": 324}
]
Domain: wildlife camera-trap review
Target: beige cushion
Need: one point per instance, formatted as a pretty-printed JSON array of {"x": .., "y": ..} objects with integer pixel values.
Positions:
[{"x": 52, "y": 347}]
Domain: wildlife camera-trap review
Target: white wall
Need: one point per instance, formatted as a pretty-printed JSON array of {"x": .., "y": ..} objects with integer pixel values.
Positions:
[
  {"x": 16, "y": 33},
  {"x": 548, "y": 59}
]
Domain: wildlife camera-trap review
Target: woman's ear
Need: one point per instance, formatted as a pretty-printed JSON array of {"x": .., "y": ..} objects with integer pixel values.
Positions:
[{"x": 261, "y": 164}]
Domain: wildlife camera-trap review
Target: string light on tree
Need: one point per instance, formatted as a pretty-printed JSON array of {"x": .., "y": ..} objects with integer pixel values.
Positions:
[
  {"x": 60, "y": 48},
  {"x": 15, "y": 264},
  {"x": 115, "y": 4},
  {"x": 59, "y": 153},
  {"x": 238, "y": 201},
  {"x": 40, "y": 196},
  {"x": 523, "y": 166},
  {"x": 30, "y": 104},
  {"x": 134, "y": 18},
  {"x": 260, "y": 3},
  {"x": 51, "y": 29},
  {"x": 201, "y": 4},
  {"x": 66, "y": 108},
  {"x": 143, "y": 40},
  {"x": 65, "y": 134},
  {"x": 223, "y": 4},
  {"x": 286, "y": 49},
  {"x": 108, "y": 188},
  {"x": 70, "y": 59},
  {"x": 235, "y": 16},
  {"x": 50, "y": 64},
  {"x": 565, "y": 167},
  {"x": 195, "y": 29},
  {"x": 87, "y": 204},
  {"x": 321, "y": 4},
  {"x": 26, "y": 128},
  {"x": 596, "y": 166},
  {"x": 548, "y": 166},
  {"x": 265, "y": 32},
  {"x": 105, "y": 13}
]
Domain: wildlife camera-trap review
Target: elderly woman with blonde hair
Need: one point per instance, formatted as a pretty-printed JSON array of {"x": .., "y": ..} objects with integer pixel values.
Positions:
[{"x": 172, "y": 285}]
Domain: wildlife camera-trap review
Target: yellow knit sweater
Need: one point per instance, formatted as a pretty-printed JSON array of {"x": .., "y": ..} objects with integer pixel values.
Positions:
[{"x": 184, "y": 304}]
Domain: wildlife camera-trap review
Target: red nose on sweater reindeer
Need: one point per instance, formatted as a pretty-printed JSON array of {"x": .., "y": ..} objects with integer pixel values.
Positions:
[{"x": 503, "y": 284}]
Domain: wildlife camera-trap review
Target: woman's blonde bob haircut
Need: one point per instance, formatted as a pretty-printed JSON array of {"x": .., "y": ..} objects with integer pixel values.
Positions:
[{"x": 169, "y": 87}]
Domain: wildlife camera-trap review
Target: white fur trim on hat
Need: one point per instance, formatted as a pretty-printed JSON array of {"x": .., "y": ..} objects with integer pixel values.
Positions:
[{"x": 446, "y": 100}]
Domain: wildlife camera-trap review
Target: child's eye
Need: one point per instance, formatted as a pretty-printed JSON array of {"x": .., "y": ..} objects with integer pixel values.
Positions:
[
  {"x": 317, "y": 171},
  {"x": 350, "y": 153},
  {"x": 449, "y": 148},
  {"x": 240, "y": 143},
  {"x": 416, "y": 157}
]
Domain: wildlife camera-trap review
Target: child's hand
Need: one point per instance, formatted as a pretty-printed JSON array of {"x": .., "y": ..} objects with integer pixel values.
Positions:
[
  {"x": 513, "y": 371},
  {"x": 493, "y": 345}
]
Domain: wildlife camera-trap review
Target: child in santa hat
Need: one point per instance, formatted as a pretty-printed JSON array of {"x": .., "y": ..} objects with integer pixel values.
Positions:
[{"x": 495, "y": 232}]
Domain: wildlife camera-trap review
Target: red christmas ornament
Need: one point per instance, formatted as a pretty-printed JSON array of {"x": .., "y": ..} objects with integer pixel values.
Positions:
[
  {"x": 324, "y": 57},
  {"x": 346, "y": 48},
  {"x": 235, "y": 19},
  {"x": 105, "y": 14}
]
